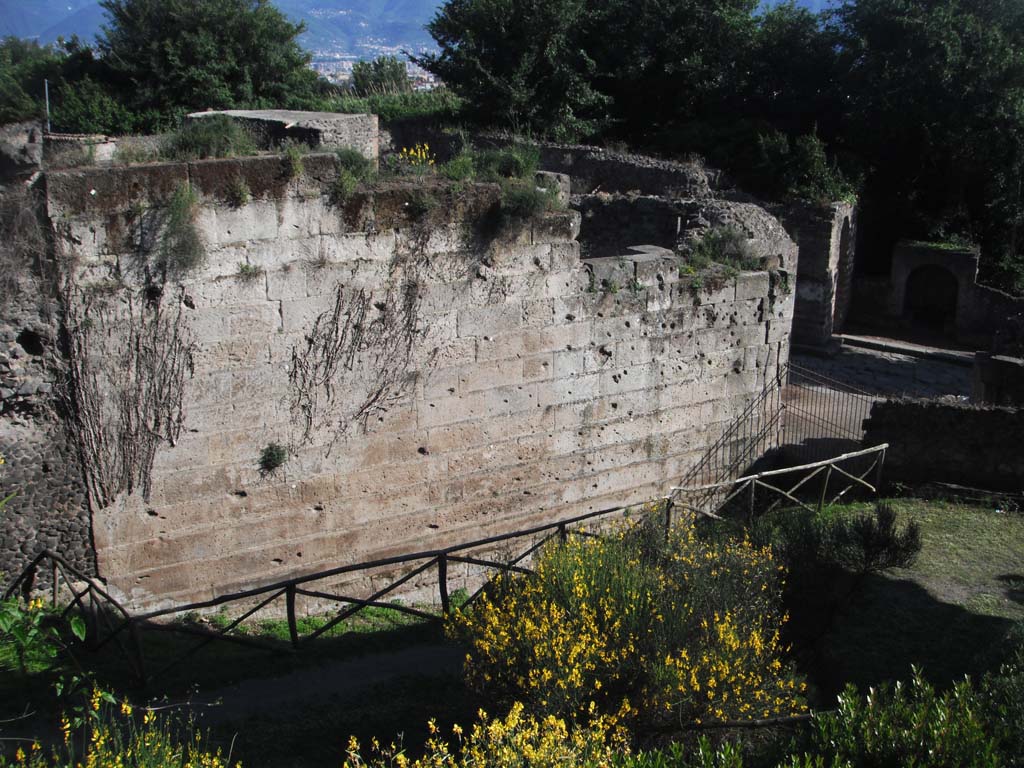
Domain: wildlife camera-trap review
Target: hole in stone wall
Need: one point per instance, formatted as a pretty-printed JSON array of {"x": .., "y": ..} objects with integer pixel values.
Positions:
[{"x": 31, "y": 342}]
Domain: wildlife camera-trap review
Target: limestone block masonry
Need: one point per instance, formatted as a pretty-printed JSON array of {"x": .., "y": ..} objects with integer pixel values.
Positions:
[{"x": 435, "y": 375}]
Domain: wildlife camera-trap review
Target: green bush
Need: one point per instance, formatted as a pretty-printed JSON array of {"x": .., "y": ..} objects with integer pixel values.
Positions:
[
  {"x": 249, "y": 272},
  {"x": 866, "y": 543},
  {"x": 909, "y": 725},
  {"x": 725, "y": 246},
  {"x": 828, "y": 555},
  {"x": 459, "y": 168},
  {"x": 516, "y": 162},
  {"x": 293, "y": 164},
  {"x": 208, "y": 137},
  {"x": 440, "y": 105},
  {"x": 353, "y": 161},
  {"x": 523, "y": 199},
  {"x": 343, "y": 187},
  {"x": 1004, "y": 694},
  {"x": 237, "y": 192},
  {"x": 799, "y": 169}
]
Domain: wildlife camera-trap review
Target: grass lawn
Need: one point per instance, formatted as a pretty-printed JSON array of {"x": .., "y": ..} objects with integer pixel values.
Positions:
[{"x": 946, "y": 614}]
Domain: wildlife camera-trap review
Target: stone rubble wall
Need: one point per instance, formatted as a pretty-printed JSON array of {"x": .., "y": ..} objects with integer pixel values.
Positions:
[
  {"x": 532, "y": 395},
  {"x": 611, "y": 224},
  {"x": 949, "y": 441},
  {"x": 48, "y": 507},
  {"x": 319, "y": 130}
]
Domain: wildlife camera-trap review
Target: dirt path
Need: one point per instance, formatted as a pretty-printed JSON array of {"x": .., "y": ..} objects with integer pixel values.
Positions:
[{"x": 338, "y": 680}]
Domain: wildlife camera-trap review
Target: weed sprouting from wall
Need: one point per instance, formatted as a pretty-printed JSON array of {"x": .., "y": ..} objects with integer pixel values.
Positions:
[
  {"x": 124, "y": 369},
  {"x": 272, "y": 457},
  {"x": 293, "y": 160},
  {"x": 181, "y": 247},
  {"x": 237, "y": 192},
  {"x": 249, "y": 272}
]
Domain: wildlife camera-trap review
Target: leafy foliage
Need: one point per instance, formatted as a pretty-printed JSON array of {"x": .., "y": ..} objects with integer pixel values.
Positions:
[
  {"x": 112, "y": 735},
  {"x": 237, "y": 192},
  {"x": 383, "y": 75},
  {"x": 725, "y": 246},
  {"x": 272, "y": 456},
  {"x": 208, "y": 137},
  {"x": 678, "y": 629},
  {"x": 172, "y": 55},
  {"x": 32, "y": 636},
  {"x": 523, "y": 199},
  {"x": 181, "y": 247},
  {"x": 520, "y": 739},
  {"x": 438, "y": 105},
  {"x": 519, "y": 64},
  {"x": 910, "y": 724}
]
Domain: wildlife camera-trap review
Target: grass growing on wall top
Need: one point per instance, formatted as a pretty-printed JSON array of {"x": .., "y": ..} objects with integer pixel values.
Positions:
[{"x": 208, "y": 137}]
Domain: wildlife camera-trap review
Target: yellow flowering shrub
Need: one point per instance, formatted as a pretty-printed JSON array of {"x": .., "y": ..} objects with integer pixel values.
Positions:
[
  {"x": 640, "y": 624},
  {"x": 518, "y": 740},
  {"x": 111, "y": 734}
]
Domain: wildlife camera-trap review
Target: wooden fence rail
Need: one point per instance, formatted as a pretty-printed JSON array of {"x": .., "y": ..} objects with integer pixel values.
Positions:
[{"x": 110, "y": 622}]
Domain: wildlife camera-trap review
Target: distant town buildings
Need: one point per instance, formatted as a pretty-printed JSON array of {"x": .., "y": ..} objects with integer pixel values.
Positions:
[{"x": 336, "y": 67}]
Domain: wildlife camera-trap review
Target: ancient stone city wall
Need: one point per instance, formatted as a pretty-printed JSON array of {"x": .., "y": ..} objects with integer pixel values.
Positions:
[{"x": 436, "y": 375}]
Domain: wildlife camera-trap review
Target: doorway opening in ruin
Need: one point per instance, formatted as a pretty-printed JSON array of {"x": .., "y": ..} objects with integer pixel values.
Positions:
[
  {"x": 930, "y": 299},
  {"x": 844, "y": 277}
]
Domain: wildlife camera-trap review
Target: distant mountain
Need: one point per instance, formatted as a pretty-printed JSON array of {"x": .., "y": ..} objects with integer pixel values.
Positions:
[
  {"x": 362, "y": 27},
  {"x": 32, "y": 18},
  {"x": 351, "y": 26}
]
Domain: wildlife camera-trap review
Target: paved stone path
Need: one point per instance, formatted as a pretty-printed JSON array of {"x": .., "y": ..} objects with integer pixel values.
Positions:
[{"x": 891, "y": 373}]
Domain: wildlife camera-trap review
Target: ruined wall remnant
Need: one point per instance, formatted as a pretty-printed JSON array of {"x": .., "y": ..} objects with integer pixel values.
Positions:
[
  {"x": 48, "y": 509},
  {"x": 933, "y": 287},
  {"x": 949, "y": 441},
  {"x": 610, "y": 224},
  {"x": 435, "y": 373},
  {"x": 320, "y": 130},
  {"x": 998, "y": 379},
  {"x": 825, "y": 236}
]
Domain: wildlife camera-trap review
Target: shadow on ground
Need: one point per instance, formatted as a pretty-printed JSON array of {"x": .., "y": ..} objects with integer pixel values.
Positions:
[{"x": 891, "y": 624}]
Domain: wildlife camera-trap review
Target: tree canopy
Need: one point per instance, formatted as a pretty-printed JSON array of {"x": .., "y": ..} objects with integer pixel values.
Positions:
[
  {"x": 919, "y": 102},
  {"x": 385, "y": 74},
  {"x": 197, "y": 54}
]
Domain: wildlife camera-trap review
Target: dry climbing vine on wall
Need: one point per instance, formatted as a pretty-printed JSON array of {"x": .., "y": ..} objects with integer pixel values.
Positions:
[
  {"x": 126, "y": 359},
  {"x": 357, "y": 358}
]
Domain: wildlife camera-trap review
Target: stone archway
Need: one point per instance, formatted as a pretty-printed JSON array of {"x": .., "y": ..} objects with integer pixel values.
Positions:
[{"x": 930, "y": 299}]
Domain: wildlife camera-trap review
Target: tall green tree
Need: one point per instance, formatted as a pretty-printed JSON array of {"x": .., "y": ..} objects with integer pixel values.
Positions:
[
  {"x": 520, "y": 63},
  {"x": 935, "y": 107},
  {"x": 179, "y": 55}
]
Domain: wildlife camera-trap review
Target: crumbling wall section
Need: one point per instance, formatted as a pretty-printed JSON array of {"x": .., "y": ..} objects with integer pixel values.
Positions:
[
  {"x": 40, "y": 470},
  {"x": 435, "y": 372},
  {"x": 825, "y": 237},
  {"x": 950, "y": 441}
]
